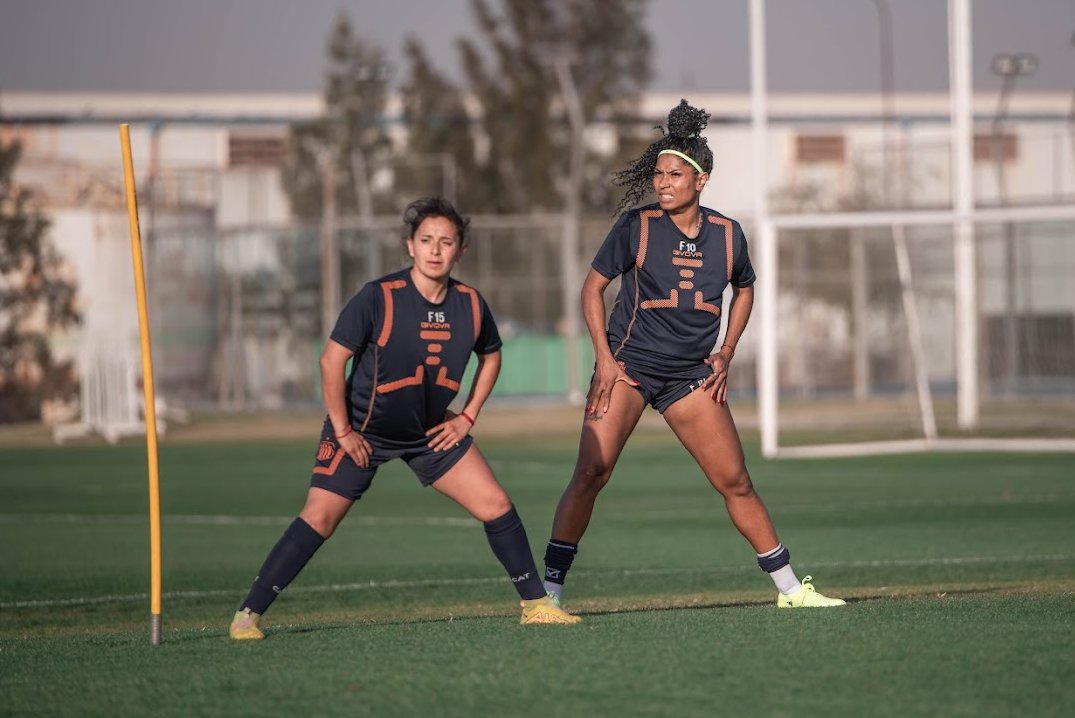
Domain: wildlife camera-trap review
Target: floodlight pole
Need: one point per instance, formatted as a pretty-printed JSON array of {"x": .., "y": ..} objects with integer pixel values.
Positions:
[
  {"x": 330, "y": 265},
  {"x": 1010, "y": 68},
  {"x": 371, "y": 74},
  {"x": 1071, "y": 114},
  {"x": 884, "y": 29},
  {"x": 569, "y": 248},
  {"x": 899, "y": 241},
  {"x": 861, "y": 375}
]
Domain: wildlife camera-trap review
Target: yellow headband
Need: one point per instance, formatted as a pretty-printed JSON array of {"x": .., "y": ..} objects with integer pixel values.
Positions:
[{"x": 677, "y": 153}]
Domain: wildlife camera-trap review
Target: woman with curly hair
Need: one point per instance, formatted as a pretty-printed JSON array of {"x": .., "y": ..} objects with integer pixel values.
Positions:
[{"x": 674, "y": 259}]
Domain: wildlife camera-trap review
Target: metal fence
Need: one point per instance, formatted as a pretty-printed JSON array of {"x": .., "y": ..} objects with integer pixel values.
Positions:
[{"x": 237, "y": 314}]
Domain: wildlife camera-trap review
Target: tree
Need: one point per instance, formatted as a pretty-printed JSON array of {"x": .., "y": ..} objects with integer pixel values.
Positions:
[
  {"x": 521, "y": 114},
  {"x": 351, "y": 133},
  {"x": 439, "y": 131},
  {"x": 36, "y": 298}
]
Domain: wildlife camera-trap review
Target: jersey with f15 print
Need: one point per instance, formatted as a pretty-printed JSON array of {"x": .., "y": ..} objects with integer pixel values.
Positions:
[{"x": 389, "y": 323}]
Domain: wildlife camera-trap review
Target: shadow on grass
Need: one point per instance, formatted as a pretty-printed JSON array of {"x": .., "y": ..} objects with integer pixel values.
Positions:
[{"x": 190, "y": 630}]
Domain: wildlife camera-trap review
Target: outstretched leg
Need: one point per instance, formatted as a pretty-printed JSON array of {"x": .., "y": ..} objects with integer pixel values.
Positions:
[
  {"x": 471, "y": 484},
  {"x": 318, "y": 519},
  {"x": 603, "y": 438},
  {"x": 708, "y": 432}
]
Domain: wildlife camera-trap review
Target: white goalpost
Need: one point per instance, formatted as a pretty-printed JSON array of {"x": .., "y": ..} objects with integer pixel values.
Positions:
[
  {"x": 904, "y": 240},
  {"x": 950, "y": 291}
]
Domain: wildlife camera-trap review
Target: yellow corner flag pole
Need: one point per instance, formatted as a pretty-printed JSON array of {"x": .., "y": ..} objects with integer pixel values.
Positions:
[{"x": 147, "y": 390}]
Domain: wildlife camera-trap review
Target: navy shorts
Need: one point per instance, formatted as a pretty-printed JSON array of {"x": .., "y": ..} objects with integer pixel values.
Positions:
[
  {"x": 661, "y": 390},
  {"x": 337, "y": 472}
]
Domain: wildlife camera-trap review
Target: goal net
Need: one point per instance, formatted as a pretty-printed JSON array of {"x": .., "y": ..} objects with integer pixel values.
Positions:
[{"x": 866, "y": 334}]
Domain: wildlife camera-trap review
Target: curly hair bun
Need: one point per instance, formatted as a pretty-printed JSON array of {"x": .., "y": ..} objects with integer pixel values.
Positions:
[{"x": 685, "y": 121}]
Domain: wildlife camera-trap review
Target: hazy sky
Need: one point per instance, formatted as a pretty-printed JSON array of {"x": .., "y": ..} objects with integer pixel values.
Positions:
[{"x": 278, "y": 45}]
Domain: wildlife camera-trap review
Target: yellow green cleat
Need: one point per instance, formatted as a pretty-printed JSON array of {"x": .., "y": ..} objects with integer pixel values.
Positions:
[
  {"x": 545, "y": 610},
  {"x": 244, "y": 627},
  {"x": 807, "y": 597}
]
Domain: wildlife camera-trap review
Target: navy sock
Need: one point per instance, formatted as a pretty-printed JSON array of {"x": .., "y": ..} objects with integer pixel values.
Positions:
[
  {"x": 507, "y": 538},
  {"x": 775, "y": 560},
  {"x": 283, "y": 563},
  {"x": 558, "y": 558}
]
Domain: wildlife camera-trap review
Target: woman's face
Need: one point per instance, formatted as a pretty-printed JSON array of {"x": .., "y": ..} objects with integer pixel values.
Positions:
[
  {"x": 435, "y": 247},
  {"x": 677, "y": 184}
]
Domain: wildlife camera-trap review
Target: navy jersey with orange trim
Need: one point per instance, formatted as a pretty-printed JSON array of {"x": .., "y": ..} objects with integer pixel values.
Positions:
[
  {"x": 667, "y": 313},
  {"x": 410, "y": 354}
]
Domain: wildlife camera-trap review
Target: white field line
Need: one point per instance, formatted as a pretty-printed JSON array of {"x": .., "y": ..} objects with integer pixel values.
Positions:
[
  {"x": 438, "y": 583},
  {"x": 781, "y": 509},
  {"x": 218, "y": 520},
  {"x": 465, "y": 522}
]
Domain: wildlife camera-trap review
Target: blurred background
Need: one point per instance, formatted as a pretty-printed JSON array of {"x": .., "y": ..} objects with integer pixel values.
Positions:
[{"x": 276, "y": 143}]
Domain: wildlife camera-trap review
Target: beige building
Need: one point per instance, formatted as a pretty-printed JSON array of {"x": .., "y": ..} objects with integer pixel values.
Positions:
[{"x": 209, "y": 166}]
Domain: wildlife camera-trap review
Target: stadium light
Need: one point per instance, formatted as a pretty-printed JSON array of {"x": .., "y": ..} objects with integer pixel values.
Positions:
[{"x": 1015, "y": 65}]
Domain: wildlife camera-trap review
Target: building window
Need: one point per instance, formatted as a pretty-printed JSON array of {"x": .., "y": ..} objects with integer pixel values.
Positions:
[
  {"x": 989, "y": 147},
  {"x": 818, "y": 149},
  {"x": 247, "y": 150}
]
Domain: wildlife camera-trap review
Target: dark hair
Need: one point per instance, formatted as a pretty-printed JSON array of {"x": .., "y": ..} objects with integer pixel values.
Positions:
[
  {"x": 684, "y": 134},
  {"x": 422, "y": 209}
]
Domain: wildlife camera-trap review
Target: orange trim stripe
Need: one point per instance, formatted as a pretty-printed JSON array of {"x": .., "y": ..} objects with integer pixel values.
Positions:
[
  {"x": 387, "y": 288},
  {"x": 643, "y": 237},
  {"x": 429, "y": 335},
  {"x": 704, "y": 306},
  {"x": 727, "y": 224},
  {"x": 475, "y": 307},
  {"x": 682, "y": 262},
  {"x": 331, "y": 468},
  {"x": 434, "y": 348},
  {"x": 432, "y": 361},
  {"x": 373, "y": 394},
  {"x": 630, "y": 324},
  {"x": 686, "y": 273},
  {"x": 671, "y": 303},
  {"x": 443, "y": 380},
  {"x": 415, "y": 380},
  {"x": 686, "y": 285}
]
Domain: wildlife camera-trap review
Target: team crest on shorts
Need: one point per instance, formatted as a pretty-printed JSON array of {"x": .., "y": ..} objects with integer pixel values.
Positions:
[{"x": 325, "y": 451}]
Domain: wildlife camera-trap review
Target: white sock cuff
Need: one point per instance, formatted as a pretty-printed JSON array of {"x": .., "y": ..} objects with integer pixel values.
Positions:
[{"x": 774, "y": 552}]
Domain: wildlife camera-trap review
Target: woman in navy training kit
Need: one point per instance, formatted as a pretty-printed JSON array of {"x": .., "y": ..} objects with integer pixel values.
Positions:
[
  {"x": 675, "y": 259},
  {"x": 411, "y": 334}
]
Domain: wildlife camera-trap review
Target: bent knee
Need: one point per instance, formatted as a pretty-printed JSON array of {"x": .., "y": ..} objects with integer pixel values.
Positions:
[
  {"x": 735, "y": 484},
  {"x": 493, "y": 508},
  {"x": 592, "y": 476},
  {"x": 323, "y": 522}
]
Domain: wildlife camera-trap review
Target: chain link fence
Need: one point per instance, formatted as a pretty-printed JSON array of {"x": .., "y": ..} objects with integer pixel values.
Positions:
[{"x": 237, "y": 314}]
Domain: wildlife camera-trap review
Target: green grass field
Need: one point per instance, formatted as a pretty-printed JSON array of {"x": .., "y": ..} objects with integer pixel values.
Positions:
[{"x": 959, "y": 569}]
